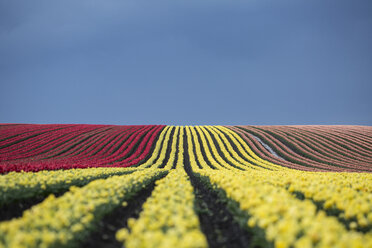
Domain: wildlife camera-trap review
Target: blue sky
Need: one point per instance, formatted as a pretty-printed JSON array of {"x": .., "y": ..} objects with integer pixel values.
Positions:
[{"x": 186, "y": 62}]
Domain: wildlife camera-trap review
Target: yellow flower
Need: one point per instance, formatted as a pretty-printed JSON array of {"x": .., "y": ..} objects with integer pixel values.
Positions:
[{"x": 122, "y": 234}]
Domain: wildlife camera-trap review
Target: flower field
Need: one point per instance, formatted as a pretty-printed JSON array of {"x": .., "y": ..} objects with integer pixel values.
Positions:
[{"x": 185, "y": 186}]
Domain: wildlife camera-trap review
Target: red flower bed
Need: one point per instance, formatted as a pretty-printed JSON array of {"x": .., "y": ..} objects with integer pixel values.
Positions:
[
  {"x": 51, "y": 147},
  {"x": 298, "y": 154}
]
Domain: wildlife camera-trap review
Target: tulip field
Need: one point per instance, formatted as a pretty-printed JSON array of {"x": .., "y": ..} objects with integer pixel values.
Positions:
[{"x": 185, "y": 186}]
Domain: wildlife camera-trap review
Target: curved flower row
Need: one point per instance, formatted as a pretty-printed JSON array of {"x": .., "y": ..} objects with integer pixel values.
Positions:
[
  {"x": 320, "y": 149},
  {"x": 175, "y": 146},
  {"x": 248, "y": 153},
  {"x": 203, "y": 148},
  {"x": 76, "y": 146},
  {"x": 301, "y": 151},
  {"x": 286, "y": 220},
  {"x": 259, "y": 149},
  {"x": 348, "y": 192},
  {"x": 229, "y": 151},
  {"x": 212, "y": 152},
  {"x": 173, "y": 150},
  {"x": 168, "y": 218},
  {"x": 43, "y": 145},
  {"x": 48, "y": 142},
  {"x": 357, "y": 138},
  {"x": 292, "y": 208},
  {"x": 158, "y": 156},
  {"x": 180, "y": 154},
  {"x": 325, "y": 147},
  {"x": 51, "y": 147},
  {"x": 21, "y": 185},
  {"x": 15, "y": 135},
  {"x": 284, "y": 151},
  {"x": 66, "y": 220}
]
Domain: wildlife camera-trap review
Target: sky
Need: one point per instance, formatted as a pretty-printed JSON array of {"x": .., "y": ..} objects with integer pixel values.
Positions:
[{"x": 251, "y": 62}]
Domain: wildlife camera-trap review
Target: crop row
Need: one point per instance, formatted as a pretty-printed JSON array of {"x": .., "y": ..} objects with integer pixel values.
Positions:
[
  {"x": 324, "y": 190},
  {"x": 79, "y": 147},
  {"x": 15, "y": 134},
  {"x": 321, "y": 146},
  {"x": 263, "y": 202},
  {"x": 279, "y": 199},
  {"x": 168, "y": 151},
  {"x": 311, "y": 148},
  {"x": 168, "y": 218},
  {"x": 36, "y": 145},
  {"x": 229, "y": 152},
  {"x": 276, "y": 203},
  {"x": 357, "y": 137},
  {"x": 23, "y": 185},
  {"x": 348, "y": 194},
  {"x": 230, "y": 147},
  {"x": 284, "y": 220},
  {"x": 309, "y": 151},
  {"x": 332, "y": 149},
  {"x": 261, "y": 151},
  {"x": 67, "y": 220}
]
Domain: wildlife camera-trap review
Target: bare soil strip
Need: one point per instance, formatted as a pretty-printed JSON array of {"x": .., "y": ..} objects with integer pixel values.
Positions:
[
  {"x": 267, "y": 147},
  {"x": 217, "y": 223},
  {"x": 106, "y": 228},
  {"x": 334, "y": 212},
  {"x": 15, "y": 209},
  {"x": 169, "y": 148}
]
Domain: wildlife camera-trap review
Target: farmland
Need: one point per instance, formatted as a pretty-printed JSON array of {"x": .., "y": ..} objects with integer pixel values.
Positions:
[{"x": 185, "y": 186}]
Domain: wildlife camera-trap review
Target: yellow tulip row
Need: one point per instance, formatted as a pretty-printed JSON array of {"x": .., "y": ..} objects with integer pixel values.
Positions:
[
  {"x": 266, "y": 193},
  {"x": 158, "y": 155},
  {"x": 63, "y": 221},
  {"x": 168, "y": 218},
  {"x": 227, "y": 149},
  {"x": 246, "y": 151},
  {"x": 339, "y": 191},
  {"x": 196, "y": 158},
  {"x": 334, "y": 190},
  {"x": 230, "y": 159},
  {"x": 203, "y": 137},
  {"x": 21, "y": 185},
  {"x": 173, "y": 152},
  {"x": 217, "y": 158},
  {"x": 180, "y": 155},
  {"x": 217, "y": 164},
  {"x": 348, "y": 193},
  {"x": 357, "y": 181},
  {"x": 286, "y": 220}
]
